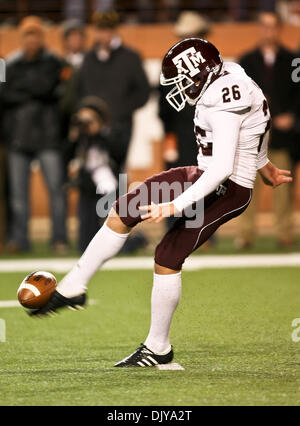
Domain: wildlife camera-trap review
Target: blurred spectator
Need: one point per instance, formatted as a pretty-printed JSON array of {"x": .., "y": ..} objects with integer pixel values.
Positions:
[
  {"x": 3, "y": 203},
  {"x": 180, "y": 148},
  {"x": 74, "y": 42},
  {"x": 270, "y": 66},
  {"x": 90, "y": 142},
  {"x": 192, "y": 24},
  {"x": 114, "y": 73},
  {"x": 242, "y": 9},
  {"x": 170, "y": 10},
  {"x": 104, "y": 5},
  {"x": 3, "y": 177},
  {"x": 145, "y": 10},
  {"x": 74, "y": 9},
  {"x": 77, "y": 9},
  {"x": 267, "y": 6},
  {"x": 31, "y": 128}
]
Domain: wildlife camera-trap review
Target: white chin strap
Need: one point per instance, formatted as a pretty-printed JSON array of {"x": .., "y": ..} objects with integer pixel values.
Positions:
[{"x": 193, "y": 102}]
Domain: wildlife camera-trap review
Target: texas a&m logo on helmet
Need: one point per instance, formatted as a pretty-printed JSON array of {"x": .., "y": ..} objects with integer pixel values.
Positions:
[
  {"x": 188, "y": 61},
  {"x": 191, "y": 65}
]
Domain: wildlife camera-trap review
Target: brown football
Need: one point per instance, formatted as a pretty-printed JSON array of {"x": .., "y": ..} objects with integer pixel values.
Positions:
[{"x": 36, "y": 290}]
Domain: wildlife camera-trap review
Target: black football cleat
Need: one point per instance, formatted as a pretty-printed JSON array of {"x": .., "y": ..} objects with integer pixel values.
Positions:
[
  {"x": 144, "y": 357},
  {"x": 57, "y": 301}
]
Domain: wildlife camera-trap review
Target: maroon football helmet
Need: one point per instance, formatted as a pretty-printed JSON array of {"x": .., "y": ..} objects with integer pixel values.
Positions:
[{"x": 192, "y": 65}]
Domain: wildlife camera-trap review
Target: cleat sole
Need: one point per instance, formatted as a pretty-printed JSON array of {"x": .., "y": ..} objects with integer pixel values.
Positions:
[{"x": 80, "y": 308}]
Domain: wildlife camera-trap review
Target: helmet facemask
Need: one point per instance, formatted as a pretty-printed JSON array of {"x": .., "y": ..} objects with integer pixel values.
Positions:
[
  {"x": 187, "y": 90},
  {"x": 177, "y": 97}
]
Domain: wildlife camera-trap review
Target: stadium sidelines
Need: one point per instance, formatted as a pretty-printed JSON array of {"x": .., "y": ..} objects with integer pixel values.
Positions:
[{"x": 194, "y": 263}]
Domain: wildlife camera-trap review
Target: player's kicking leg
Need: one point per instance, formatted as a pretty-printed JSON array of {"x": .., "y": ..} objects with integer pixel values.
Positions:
[
  {"x": 108, "y": 242},
  {"x": 71, "y": 292}
]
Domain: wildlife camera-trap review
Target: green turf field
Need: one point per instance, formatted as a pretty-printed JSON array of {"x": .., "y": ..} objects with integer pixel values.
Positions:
[{"x": 232, "y": 333}]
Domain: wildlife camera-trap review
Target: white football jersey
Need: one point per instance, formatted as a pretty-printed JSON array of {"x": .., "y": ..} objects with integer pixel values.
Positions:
[{"x": 238, "y": 94}]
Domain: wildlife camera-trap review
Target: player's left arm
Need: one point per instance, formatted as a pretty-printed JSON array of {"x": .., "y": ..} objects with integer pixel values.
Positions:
[
  {"x": 273, "y": 176},
  {"x": 225, "y": 135},
  {"x": 270, "y": 174}
]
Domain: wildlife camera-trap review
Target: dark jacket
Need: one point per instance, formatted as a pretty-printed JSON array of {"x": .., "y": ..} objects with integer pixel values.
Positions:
[
  {"x": 281, "y": 92},
  {"x": 120, "y": 81},
  {"x": 296, "y": 76},
  {"x": 30, "y": 100},
  {"x": 182, "y": 125}
]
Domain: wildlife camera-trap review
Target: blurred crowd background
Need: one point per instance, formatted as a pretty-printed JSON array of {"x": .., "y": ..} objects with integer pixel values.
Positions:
[
  {"x": 145, "y": 11},
  {"x": 82, "y": 104}
]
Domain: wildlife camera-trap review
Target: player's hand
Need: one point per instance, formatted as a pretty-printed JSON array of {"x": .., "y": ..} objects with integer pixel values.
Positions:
[
  {"x": 158, "y": 212},
  {"x": 281, "y": 176},
  {"x": 274, "y": 176}
]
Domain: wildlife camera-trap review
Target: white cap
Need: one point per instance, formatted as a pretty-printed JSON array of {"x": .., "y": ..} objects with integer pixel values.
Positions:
[{"x": 190, "y": 24}]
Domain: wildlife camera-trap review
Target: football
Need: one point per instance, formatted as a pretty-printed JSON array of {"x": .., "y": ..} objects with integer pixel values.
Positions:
[{"x": 36, "y": 290}]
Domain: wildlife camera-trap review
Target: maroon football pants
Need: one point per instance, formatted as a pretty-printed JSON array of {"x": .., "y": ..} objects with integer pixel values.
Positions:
[{"x": 184, "y": 237}]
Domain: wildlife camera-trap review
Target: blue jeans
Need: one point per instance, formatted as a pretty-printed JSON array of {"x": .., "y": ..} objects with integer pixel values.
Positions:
[{"x": 19, "y": 174}]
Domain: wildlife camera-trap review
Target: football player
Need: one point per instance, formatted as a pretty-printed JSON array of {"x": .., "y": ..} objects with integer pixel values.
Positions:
[{"x": 232, "y": 123}]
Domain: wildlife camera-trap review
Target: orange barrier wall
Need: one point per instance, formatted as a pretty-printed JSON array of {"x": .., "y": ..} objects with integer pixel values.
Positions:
[{"x": 152, "y": 41}]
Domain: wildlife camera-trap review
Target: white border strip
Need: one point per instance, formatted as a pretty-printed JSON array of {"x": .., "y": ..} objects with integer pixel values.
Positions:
[{"x": 194, "y": 263}]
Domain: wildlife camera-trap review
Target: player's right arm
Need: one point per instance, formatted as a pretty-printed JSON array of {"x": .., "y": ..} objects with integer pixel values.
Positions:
[{"x": 225, "y": 134}]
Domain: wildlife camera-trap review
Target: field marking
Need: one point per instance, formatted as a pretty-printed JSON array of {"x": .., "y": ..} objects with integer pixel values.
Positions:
[
  {"x": 172, "y": 366},
  {"x": 9, "y": 304},
  {"x": 2, "y": 331},
  {"x": 194, "y": 263}
]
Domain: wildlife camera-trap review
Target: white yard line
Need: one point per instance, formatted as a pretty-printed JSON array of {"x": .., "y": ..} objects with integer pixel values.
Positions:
[
  {"x": 9, "y": 304},
  {"x": 129, "y": 263},
  {"x": 171, "y": 366}
]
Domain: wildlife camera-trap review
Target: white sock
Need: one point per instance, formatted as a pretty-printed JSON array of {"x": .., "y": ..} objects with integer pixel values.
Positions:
[
  {"x": 165, "y": 298},
  {"x": 105, "y": 245}
]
